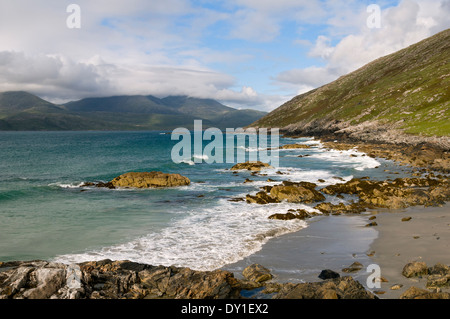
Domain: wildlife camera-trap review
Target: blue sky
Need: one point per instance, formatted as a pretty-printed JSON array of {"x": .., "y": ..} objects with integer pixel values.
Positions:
[{"x": 244, "y": 53}]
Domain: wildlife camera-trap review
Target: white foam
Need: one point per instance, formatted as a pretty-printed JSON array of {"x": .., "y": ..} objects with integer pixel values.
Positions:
[
  {"x": 359, "y": 162},
  {"x": 65, "y": 185},
  {"x": 206, "y": 239}
]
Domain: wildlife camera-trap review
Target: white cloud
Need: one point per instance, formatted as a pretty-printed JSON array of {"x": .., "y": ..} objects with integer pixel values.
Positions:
[{"x": 403, "y": 25}]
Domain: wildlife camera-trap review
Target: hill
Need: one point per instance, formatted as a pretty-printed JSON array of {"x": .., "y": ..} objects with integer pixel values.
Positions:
[
  {"x": 402, "y": 98},
  {"x": 23, "y": 111}
]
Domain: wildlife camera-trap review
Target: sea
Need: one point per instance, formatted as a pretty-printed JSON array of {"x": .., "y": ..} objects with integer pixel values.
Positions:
[{"x": 46, "y": 213}]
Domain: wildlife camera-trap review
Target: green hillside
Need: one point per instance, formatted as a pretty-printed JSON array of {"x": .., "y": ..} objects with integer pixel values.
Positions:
[{"x": 408, "y": 90}]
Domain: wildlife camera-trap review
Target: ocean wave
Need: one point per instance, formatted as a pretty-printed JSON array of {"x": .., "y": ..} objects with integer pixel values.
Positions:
[{"x": 206, "y": 239}]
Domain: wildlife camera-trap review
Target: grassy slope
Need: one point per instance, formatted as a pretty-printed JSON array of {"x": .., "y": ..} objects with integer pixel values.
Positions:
[{"x": 409, "y": 88}]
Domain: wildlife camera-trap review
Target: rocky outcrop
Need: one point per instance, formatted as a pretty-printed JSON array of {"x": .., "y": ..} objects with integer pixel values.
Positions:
[
  {"x": 108, "y": 279},
  {"x": 294, "y": 146},
  {"x": 303, "y": 192},
  {"x": 112, "y": 280},
  {"x": 296, "y": 194},
  {"x": 261, "y": 198},
  {"x": 257, "y": 273},
  {"x": 143, "y": 180},
  {"x": 418, "y": 293},
  {"x": 149, "y": 179},
  {"x": 293, "y": 214},
  {"x": 337, "y": 288},
  {"x": 251, "y": 166},
  {"x": 399, "y": 193}
]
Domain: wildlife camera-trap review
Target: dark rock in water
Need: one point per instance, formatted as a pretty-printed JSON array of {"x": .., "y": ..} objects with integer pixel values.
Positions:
[
  {"x": 328, "y": 274},
  {"x": 338, "y": 288},
  {"x": 237, "y": 199},
  {"x": 257, "y": 273}
]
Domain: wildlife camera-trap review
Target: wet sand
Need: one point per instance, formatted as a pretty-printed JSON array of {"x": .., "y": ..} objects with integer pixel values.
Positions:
[
  {"x": 335, "y": 242},
  {"x": 425, "y": 238},
  {"x": 329, "y": 242}
]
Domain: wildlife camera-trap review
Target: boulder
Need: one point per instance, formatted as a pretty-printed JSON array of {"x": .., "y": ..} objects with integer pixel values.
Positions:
[
  {"x": 299, "y": 214},
  {"x": 251, "y": 166},
  {"x": 257, "y": 273},
  {"x": 149, "y": 179},
  {"x": 328, "y": 274},
  {"x": 356, "y": 266},
  {"x": 296, "y": 194},
  {"x": 415, "y": 269}
]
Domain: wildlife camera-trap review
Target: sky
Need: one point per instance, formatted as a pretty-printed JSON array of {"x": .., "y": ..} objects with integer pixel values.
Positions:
[{"x": 253, "y": 54}]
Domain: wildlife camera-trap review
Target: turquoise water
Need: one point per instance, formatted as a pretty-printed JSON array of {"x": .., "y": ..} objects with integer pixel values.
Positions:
[{"x": 45, "y": 214}]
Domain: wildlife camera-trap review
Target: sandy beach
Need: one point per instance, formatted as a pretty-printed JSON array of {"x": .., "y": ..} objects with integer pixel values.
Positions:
[
  {"x": 425, "y": 237},
  {"x": 335, "y": 242}
]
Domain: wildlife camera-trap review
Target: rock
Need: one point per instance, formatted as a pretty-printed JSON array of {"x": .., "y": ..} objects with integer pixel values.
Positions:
[
  {"x": 406, "y": 219},
  {"x": 372, "y": 224},
  {"x": 439, "y": 269},
  {"x": 438, "y": 281},
  {"x": 396, "y": 287},
  {"x": 356, "y": 266},
  {"x": 338, "y": 288},
  {"x": 261, "y": 198},
  {"x": 257, "y": 273},
  {"x": 294, "y": 146},
  {"x": 341, "y": 208},
  {"x": 299, "y": 214},
  {"x": 251, "y": 166},
  {"x": 415, "y": 269},
  {"x": 108, "y": 279},
  {"x": 296, "y": 194},
  {"x": 328, "y": 274},
  {"x": 417, "y": 293},
  {"x": 149, "y": 179},
  {"x": 236, "y": 199}
]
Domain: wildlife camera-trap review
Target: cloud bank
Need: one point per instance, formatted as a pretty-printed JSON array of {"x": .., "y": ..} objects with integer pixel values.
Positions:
[{"x": 182, "y": 47}]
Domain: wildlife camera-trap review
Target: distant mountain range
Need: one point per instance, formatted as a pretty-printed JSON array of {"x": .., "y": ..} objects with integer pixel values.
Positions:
[
  {"x": 403, "y": 97},
  {"x": 22, "y": 111}
]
